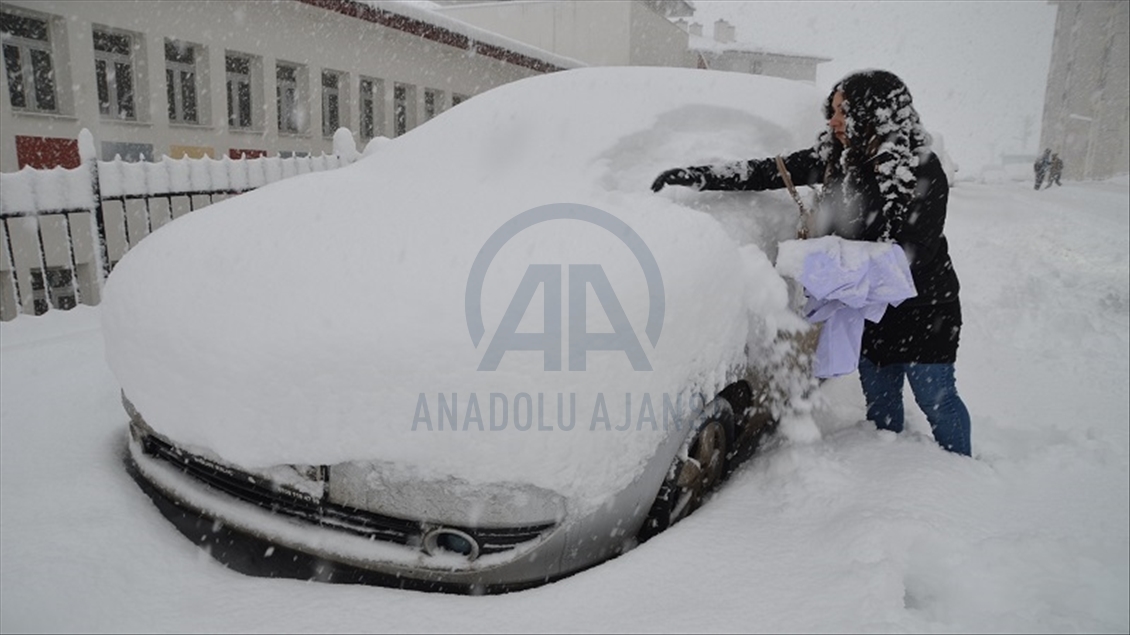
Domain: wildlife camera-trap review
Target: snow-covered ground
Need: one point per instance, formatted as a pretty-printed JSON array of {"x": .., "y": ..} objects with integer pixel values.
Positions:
[{"x": 854, "y": 531}]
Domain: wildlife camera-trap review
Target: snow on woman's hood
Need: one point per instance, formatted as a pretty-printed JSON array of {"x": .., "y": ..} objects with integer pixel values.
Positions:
[{"x": 319, "y": 319}]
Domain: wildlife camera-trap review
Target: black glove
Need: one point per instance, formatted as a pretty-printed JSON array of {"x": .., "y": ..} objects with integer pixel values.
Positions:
[{"x": 690, "y": 177}]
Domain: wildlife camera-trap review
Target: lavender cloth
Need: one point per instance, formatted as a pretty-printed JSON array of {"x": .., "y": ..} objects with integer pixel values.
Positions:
[{"x": 847, "y": 282}]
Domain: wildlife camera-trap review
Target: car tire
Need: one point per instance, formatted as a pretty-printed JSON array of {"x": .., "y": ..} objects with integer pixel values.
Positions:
[
  {"x": 691, "y": 480},
  {"x": 753, "y": 420}
]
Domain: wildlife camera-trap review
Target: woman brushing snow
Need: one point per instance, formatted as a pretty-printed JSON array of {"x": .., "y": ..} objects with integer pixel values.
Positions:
[{"x": 881, "y": 182}]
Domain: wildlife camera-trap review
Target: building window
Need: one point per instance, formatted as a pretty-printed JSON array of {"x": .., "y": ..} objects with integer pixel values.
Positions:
[
  {"x": 433, "y": 101},
  {"x": 457, "y": 99},
  {"x": 372, "y": 108},
  {"x": 403, "y": 104},
  {"x": 332, "y": 83},
  {"x": 180, "y": 81},
  {"x": 239, "y": 90},
  {"x": 400, "y": 109},
  {"x": 289, "y": 98},
  {"x": 28, "y": 63},
  {"x": 113, "y": 71}
]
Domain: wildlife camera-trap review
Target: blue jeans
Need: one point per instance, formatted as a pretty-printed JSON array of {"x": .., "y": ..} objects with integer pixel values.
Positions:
[{"x": 935, "y": 391}]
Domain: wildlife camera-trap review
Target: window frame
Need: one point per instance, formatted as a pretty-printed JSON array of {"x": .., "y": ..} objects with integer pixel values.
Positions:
[
  {"x": 339, "y": 93},
  {"x": 371, "y": 104},
  {"x": 177, "y": 107},
  {"x": 237, "y": 78},
  {"x": 28, "y": 85},
  {"x": 403, "y": 108},
  {"x": 291, "y": 88},
  {"x": 433, "y": 103},
  {"x": 112, "y": 85}
]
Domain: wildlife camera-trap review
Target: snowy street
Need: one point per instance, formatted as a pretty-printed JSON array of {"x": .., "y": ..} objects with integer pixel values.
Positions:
[{"x": 851, "y": 530}]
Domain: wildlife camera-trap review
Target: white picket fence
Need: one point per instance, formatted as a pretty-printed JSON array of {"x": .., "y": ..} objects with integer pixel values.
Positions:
[{"x": 63, "y": 230}]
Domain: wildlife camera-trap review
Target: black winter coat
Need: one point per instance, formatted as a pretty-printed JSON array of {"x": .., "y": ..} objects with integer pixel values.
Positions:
[{"x": 923, "y": 329}]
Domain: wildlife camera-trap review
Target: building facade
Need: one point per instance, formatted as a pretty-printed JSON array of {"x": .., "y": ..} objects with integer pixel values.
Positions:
[
  {"x": 598, "y": 33},
  {"x": 721, "y": 51},
  {"x": 1086, "y": 116},
  {"x": 757, "y": 61},
  {"x": 240, "y": 79},
  {"x": 631, "y": 33}
]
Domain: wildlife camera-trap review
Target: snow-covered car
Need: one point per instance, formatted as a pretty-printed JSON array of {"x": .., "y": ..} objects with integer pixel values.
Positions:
[{"x": 483, "y": 357}]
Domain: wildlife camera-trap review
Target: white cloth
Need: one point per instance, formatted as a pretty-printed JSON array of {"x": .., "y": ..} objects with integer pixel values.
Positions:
[{"x": 846, "y": 282}]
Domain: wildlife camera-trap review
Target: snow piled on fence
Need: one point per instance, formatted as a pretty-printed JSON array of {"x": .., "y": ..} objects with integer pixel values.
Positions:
[
  {"x": 154, "y": 178},
  {"x": 32, "y": 190}
]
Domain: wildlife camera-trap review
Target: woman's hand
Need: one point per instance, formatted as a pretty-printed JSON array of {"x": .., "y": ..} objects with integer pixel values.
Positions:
[{"x": 689, "y": 177}]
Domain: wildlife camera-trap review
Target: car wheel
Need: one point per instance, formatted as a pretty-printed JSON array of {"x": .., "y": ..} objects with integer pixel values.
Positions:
[
  {"x": 690, "y": 480},
  {"x": 703, "y": 469}
]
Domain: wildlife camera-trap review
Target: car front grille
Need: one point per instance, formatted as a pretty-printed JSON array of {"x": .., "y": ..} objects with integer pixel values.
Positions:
[{"x": 263, "y": 493}]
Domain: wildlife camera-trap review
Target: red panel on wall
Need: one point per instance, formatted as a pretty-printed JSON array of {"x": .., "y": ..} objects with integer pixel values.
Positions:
[
  {"x": 46, "y": 152},
  {"x": 236, "y": 153}
]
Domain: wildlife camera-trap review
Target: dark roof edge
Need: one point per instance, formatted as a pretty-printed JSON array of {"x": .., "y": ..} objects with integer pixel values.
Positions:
[
  {"x": 719, "y": 51},
  {"x": 433, "y": 32}
]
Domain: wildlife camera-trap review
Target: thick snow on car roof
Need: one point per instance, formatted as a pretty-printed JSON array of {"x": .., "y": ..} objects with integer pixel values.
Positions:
[{"x": 320, "y": 319}]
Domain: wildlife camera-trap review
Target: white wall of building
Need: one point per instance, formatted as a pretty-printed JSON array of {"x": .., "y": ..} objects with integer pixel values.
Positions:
[{"x": 313, "y": 38}]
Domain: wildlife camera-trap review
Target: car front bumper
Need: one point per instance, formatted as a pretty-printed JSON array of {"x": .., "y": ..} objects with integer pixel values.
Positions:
[{"x": 255, "y": 540}]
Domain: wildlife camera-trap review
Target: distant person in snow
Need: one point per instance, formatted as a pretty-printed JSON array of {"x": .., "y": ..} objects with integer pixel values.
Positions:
[
  {"x": 1041, "y": 167},
  {"x": 881, "y": 182},
  {"x": 1055, "y": 170}
]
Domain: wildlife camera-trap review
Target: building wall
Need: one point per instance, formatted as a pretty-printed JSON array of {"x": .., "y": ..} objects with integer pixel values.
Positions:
[
  {"x": 593, "y": 32},
  {"x": 604, "y": 33},
  {"x": 1087, "y": 104},
  {"x": 764, "y": 64},
  {"x": 313, "y": 37},
  {"x": 655, "y": 41}
]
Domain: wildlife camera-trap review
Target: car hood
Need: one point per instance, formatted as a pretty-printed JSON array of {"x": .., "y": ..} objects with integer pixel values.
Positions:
[{"x": 328, "y": 318}]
